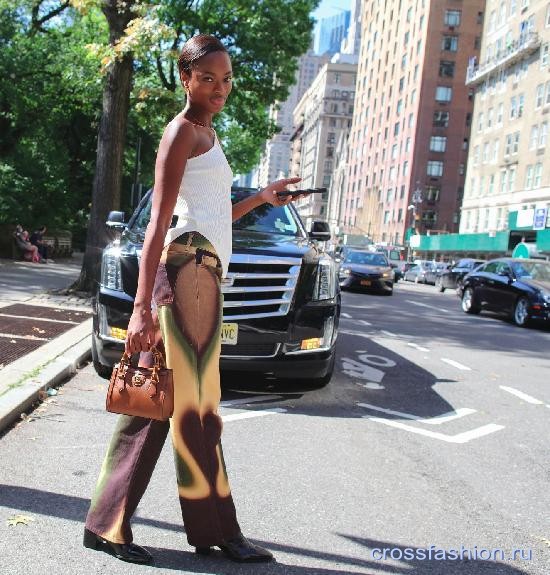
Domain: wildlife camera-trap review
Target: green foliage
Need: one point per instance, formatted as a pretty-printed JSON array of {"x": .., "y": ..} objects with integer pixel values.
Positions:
[
  {"x": 51, "y": 94},
  {"x": 49, "y": 108}
]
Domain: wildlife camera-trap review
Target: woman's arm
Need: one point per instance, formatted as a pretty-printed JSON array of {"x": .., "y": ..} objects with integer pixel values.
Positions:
[
  {"x": 268, "y": 194},
  {"x": 175, "y": 148}
]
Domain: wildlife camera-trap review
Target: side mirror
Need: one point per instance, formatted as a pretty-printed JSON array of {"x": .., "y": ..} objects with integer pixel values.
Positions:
[
  {"x": 320, "y": 231},
  {"x": 115, "y": 221}
]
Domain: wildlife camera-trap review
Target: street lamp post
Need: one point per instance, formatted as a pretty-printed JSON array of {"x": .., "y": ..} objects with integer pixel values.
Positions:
[{"x": 413, "y": 208}]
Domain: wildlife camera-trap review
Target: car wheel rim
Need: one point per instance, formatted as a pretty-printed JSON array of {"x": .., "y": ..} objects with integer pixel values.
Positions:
[
  {"x": 521, "y": 311},
  {"x": 467, "y": 300}
]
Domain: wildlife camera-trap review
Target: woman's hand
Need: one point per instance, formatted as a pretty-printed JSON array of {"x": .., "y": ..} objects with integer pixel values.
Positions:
[
  {"x": 269, "y": 193},
  {"x": 141, "y": 331}
]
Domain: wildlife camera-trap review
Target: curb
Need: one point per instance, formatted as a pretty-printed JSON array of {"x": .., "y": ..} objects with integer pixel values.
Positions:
[{"x": 52, "y": 363}]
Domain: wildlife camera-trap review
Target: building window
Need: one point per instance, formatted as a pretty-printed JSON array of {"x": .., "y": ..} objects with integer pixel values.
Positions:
[
  {"x": 543, "y": 134},
  {"x": 452, "y": 17},
  {"x": 394, "y": 152},
  {"x": 511, "y": 179},
  {"x": 434, "y": 168},
  {"x": 500, "y": 114},
  {"x": 503, "y": 181},
  {"x": 490, "y": 114},
  {"x": 537, "y": 175},
  {"x": 539, "y": 97},
  {"x": 446, "y": 69},
  {"x": 331, "y": 138},
  {"x": 544, "y": 55},
  {"x": 441, "y": 119},
  {"x": 396, "y": 129},
  {"x": 443, "y": 94},
  {"x": 408, "y": 145},
  {"x": 476, "y": 155},
  {"x": 492, "y": 184},
  {"x": 496, "y": 149},
  {"x": 432, "y": 193},
  {"x": 405, "y": 168},
  {"x": 529, "y": 177},
  {"x": 449, "y": 43},
  {"x": 534, "y": 137},
  {"x": 547, "y": 100},
  {"x": 438, "y": 143},
  {"x": 485, "y": 156},
  {"x": 480, "y": 121}
]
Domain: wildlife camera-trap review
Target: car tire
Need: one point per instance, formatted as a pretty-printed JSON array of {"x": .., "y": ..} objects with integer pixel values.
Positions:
[
  {"x": 103, "y": 371},
  {"x": 439, "y": 285},
  {"x": 521, "y": 312},
  {"x": 469, "y": 304}
]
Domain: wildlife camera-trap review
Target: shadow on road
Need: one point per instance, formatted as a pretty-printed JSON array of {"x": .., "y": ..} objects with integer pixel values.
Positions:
[{"x": 74, "y": 509}]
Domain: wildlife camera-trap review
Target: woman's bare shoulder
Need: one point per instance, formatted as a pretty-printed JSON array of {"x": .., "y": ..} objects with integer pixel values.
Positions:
[{"x": 180, "y": 133}]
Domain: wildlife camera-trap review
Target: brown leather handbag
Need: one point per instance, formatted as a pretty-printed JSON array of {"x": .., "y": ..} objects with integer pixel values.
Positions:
[{"x": 143, "y": 391}]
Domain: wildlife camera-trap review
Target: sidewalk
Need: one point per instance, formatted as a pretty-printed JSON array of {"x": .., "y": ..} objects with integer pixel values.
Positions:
[{"x": 44, "y": 333}]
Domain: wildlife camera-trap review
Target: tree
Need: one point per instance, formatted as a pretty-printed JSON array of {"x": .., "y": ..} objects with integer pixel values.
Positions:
[{"x": 264, "y": 40}]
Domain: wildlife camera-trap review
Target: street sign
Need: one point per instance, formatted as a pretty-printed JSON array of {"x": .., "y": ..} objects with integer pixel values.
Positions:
[{"x": 539, "y": 220}]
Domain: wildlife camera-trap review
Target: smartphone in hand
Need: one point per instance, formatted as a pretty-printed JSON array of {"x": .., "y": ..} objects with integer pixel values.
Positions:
[{"x": 293, "y": 193}]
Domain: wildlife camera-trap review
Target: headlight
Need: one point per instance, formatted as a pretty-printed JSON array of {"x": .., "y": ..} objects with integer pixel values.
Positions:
[
  {"x": 387, "y": 274},
  {"x": 345, "y": 272},
  {"x": 325, "y": 283},
  {"x": 110, "y": 269},
  {"x": 545, "y": 296}
]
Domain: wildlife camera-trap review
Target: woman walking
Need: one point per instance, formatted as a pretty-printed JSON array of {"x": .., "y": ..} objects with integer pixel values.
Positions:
[{"x": 180, "y": 273}]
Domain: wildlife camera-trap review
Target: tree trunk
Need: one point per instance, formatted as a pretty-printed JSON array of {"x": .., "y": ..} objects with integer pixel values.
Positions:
[{"x": 110, "y": 147}]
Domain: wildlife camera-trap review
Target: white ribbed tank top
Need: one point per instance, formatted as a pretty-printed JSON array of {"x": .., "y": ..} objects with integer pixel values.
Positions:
[{"x": 204, "y": 202}]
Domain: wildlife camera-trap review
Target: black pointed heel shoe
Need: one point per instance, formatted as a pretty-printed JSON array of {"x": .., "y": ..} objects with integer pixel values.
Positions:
[
  {"x": 124, "y": 551},
  {"x": 203, "y": 550},
  {"x": 241, "y": 550}
]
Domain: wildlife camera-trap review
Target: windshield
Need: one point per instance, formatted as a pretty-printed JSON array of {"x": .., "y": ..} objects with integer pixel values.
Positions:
[
  {"x": 266, "y": 218},
  {"x": 534, "y": 270},
  {"x": 263, "y": 219},
  {"x": 366, "y": 258}
]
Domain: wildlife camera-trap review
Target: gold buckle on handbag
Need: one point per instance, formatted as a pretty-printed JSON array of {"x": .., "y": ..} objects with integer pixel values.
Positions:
[{"x": 138, "y": 379}]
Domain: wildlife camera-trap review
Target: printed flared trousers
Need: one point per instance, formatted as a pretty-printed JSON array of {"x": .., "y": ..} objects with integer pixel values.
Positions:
[{"x": 189, "y": 308}]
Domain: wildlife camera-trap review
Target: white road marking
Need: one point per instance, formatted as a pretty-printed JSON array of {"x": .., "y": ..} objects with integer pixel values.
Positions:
[
  {"x": 464, "y": 437},
  {"x": 357, "y": 306},
  {"x": 456, "y": 364},
  {"x": 418, "y": 347},
  {"x": 359, "y": 370},
  {"x": 251, "y": 414},
  {"x": 385, "y": 332},
  {"x": 245, "y": 400},
  {"x": 364, "y": 322},
  {"x": 351, "y": 332},
  {"x": 370, "y": 385},
  {"x": 346, "y": 315},
  {"x": 436, "y": 420},
  {"x": 521, "y": 395},
  {"x": 420, "y": 304}
]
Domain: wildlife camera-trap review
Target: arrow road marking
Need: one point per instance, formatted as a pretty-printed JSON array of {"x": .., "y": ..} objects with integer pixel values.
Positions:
[
  {"x": 436, "y": 420},
  {"x": 464, "y": 437},
  {"x": 521, "y": 395}
]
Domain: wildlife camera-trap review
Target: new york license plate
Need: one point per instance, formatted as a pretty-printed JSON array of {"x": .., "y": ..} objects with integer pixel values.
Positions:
[
  {"x": 230, "y": 332},
  {"x": 365, "y": 282}
]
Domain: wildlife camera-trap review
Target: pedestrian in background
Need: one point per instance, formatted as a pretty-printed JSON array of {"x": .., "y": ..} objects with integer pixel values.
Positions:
[
  {"x": 37, "y": 239},
  {"x": 180, "y": 272}
]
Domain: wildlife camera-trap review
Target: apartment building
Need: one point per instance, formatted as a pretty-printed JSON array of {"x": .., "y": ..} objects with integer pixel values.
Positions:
[
  {"x": 509, "y": 159},
  {"x": 274, "y": 163},
  {"x": 410, "y": 133},
  {"x": 321, "y": 116}
]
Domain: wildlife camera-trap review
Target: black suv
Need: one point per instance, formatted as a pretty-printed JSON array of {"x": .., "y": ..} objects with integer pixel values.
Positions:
[{"x": 281, "y": 296}]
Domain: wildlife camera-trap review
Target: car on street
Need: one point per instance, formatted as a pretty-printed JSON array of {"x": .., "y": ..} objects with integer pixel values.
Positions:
[
  {"x": 281, "y": 298},
  {"x": 516, "y": 287},
  {"x": 366, "y": 270},
  {"x": 417, "y": 273},
  {"x": 435, "y": 271},
  {"x": 453, "y": 277}
]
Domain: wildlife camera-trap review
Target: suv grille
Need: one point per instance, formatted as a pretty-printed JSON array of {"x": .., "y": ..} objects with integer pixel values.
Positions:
[{"x": 259, "y": 286}]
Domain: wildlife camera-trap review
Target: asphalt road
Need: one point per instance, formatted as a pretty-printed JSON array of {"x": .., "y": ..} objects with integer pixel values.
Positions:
[{"x": 431, "y": 438}]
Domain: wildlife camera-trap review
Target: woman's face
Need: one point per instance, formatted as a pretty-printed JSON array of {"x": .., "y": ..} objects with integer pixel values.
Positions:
[{"x": 210, "y": 82}]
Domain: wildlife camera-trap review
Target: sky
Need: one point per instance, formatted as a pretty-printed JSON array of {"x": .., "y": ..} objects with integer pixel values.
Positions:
[{"x": 331, "y": 7}]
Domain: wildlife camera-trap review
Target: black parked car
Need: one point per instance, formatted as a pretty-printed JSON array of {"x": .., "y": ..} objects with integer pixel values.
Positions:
[
  {"x": 452, "y": 278},
  {"x": 365, "y": 270},
  {"x": 517, "y": 287},
  {"x": 281, "y": 295}
]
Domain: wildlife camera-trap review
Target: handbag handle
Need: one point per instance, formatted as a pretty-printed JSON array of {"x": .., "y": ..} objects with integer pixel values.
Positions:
[{"x": 158, "y": 364}]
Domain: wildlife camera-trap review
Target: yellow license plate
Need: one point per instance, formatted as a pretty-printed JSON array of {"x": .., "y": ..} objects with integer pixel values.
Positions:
[
  {"x": 230, "y": 332},
  {"x": 365, "y": 282}
]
